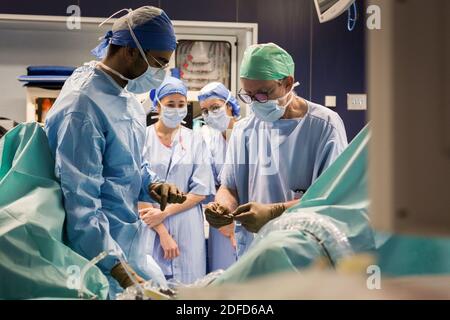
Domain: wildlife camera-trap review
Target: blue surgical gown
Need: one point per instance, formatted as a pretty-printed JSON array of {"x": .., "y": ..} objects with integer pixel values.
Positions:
[
  {"x": 186, "y": 163},
  {"x": 272, "y": 162},
  {"x": 96, "y": 132},
  {"x": 221, "y": 253}
]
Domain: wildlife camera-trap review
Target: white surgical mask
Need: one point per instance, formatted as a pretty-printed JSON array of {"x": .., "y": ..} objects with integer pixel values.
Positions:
[
  {"x": 172, "y": 117},
  {"x": 271, "y": 111},
  {"x": 218, "y": 119}
]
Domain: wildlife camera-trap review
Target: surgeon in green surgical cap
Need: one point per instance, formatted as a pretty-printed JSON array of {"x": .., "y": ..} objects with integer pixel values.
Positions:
[{"x": 276, "y": 153}]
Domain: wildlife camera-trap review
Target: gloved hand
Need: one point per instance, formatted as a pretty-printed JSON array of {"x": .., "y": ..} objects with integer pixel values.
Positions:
[
  {"x": 218, "y": 215},
  {"x": 254, "y": 216},
  {"x": 118, "y": 272},
  {"x": 165, "y": 193}
]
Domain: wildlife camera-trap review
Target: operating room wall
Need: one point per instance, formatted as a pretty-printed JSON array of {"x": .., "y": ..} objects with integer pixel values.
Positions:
[{"x": 330, "y": 60}]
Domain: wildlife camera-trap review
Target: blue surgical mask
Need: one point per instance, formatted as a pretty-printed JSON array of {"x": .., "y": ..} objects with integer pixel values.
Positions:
[
  {"x": 172, "y": 117},
  {"x": 218, "y": 119},
  {"x": 150, "y": 79},
  {"x": 271, "y": 111}
]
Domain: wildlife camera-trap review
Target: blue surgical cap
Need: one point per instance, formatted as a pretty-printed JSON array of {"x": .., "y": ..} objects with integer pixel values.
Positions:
[
  {"x": 152, "y": 27},
  {"x": 219, "y": 91},
  {"x": 169, "y": 86}
]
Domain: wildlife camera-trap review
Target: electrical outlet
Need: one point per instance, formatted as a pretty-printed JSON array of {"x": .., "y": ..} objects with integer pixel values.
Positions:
[
  {"x": 330, "y": 101},
  {"x": 357, "y": 101}
]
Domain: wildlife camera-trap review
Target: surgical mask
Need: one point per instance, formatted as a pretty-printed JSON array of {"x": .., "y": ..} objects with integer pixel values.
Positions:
[
  {"x": 152, "y": 78},
  {"x": 271, "y": 111},
  {"x": 218, "y": 119},
  {"x": 172, "y": 117}
]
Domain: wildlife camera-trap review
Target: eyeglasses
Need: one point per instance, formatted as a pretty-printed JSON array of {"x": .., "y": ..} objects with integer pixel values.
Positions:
[
  {"x": 213, "y": 109},
  {"x": 247, "y": 98},
  {"x": 261, "y": 97},
  {"x": 161, "y": 66}
]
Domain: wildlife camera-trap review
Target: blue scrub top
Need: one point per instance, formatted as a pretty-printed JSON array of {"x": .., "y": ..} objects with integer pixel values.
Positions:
[
  {"x": 272, "y": 162},
  {"x": 221, "y": 253},
  {"x": 186, "y": 163},
  {"x": 217, "y": 146}
]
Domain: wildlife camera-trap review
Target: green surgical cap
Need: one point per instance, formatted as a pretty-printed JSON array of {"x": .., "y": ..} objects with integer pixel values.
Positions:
[{"x": 266, "y": 61}]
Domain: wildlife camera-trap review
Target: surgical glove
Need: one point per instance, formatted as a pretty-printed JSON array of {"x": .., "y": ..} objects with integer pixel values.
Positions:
[
  {"x": 118, "y": 272},
  {"x": 217, "y": 215},
  {"x": 253, "y": 216},
  {"x": 165, "y": 193}
]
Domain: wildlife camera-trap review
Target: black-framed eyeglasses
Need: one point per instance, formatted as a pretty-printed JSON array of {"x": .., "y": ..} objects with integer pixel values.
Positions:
[{"x": 247, "y": 98}]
